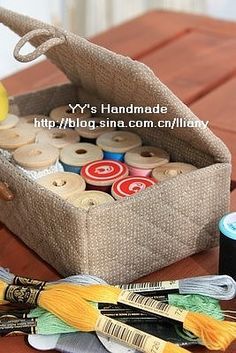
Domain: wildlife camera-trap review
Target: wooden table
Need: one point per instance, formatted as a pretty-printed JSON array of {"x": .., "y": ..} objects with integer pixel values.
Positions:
[{"x": 196, "y": 57}]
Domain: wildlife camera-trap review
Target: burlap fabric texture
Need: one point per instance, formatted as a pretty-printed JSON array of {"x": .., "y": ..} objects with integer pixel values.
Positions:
[{"x": 139, "y": 234}]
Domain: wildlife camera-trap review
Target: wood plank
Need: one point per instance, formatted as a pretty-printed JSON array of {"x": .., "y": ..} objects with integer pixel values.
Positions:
[
  {"x": 21, "y": 260},
  {"x": 229, "y": 139},
  {"x": 233, "y": 201},
  {"x": 155, "y": 29},
  {"x": 212, "y": 58},
  {"x": 37, "y": 76},
  {"x": 219, "y": 106}
]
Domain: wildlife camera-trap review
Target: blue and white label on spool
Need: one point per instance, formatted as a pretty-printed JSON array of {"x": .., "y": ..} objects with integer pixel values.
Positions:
[{"x": 227, "y": 225}]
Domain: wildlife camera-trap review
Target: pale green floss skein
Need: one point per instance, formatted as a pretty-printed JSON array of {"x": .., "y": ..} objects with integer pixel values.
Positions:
[{"x": 197, "y": 303}]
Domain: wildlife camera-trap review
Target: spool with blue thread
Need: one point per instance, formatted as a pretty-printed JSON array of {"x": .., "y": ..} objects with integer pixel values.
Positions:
[
  {"x": 115, "y": 144},
  {"x": 227, "y": 262},
  {"x": 73, "y": 157},
  {"x": 90, "y": 129}
]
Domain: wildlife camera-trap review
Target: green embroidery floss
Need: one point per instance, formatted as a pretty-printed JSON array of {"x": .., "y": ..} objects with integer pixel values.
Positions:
[{"x": 197, "y": 303}]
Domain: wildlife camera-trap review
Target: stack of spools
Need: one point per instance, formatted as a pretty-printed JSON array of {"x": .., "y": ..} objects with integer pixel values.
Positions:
[{"x": 85, "y": 165}]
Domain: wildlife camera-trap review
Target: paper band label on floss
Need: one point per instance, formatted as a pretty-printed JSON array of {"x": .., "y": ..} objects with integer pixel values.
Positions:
[
  {"x": 132, "y": 337},
  {"x": 17, "y": 327},
  {"x": 152, "y": 306},
  {"x": 21, "y": 295},
  {"x": 27, "y": 282},
  {"x": 131, "y": 185},
  {"x": 153, "y": 286}
]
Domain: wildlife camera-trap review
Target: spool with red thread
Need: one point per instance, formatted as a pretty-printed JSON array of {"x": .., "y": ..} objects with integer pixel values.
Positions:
[
  {"x": 100, "y": 175},
  {"x": 131, "y": 185}
]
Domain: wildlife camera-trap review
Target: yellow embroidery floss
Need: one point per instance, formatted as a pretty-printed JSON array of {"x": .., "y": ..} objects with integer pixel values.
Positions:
[{"x": 69, "y": 306}]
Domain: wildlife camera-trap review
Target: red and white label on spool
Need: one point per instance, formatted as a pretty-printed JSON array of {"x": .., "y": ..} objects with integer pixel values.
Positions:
[
  {"x": 130, "y": 185},
  {"x": 104, "y": 172}
]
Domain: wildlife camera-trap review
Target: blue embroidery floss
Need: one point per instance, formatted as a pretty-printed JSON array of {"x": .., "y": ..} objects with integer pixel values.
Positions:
[
  {"x": 73, "y": 157},
  {"x": 115, "y": 144}
]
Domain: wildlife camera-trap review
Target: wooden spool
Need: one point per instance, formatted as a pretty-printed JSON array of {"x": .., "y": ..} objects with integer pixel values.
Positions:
[
  {"x": 28, "y": 122},
  {"x": 79, "y": 154},
  {"x": 92, "y": 128},
  {"x": 171, "y": 170},
  {"x": 102, "y": 174},
  {"x": 36, "y": 156},
  {"x": 64, "y": 112},
  {"x": 118, "y": 141},
  {"x": 12, "y": 139},
  {"x": 130, "y": 185},
  {"x": 63, "y": 184},
  {"x": 58, "y": 138},
  {"x": 141, "y": 160},
  {"x": 88, "y": 199}
]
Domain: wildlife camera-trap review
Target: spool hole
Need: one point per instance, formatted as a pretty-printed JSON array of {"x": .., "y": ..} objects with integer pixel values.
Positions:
[
  {"x": 58, "y": 135},
  {"x": 35, "y": 153},
  {"x": 118, "y": 138},
  {"x": 147, "y": 154},
  {"x": 69, "y": 111},
  {"x": 59, "y": 183},
  {"x": 91, "y": 203},
  {"x": 81, "y": 151}
]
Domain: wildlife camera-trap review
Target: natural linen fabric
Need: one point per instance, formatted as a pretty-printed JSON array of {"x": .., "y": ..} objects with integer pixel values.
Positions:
[{"x": 138, "y": 234}]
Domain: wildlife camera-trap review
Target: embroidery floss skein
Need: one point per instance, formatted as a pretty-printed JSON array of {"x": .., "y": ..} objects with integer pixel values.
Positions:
[
  {"x": 115, "y": 144},
  {"x": 220, "y": 287},
  {"x": 75, "y": 311},
  {"x": 142, "y": 160},
  {"x": 214, "y": 334}
]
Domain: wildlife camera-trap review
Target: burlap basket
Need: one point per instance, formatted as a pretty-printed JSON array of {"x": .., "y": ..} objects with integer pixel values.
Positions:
[{"x": 139, "y": 234}]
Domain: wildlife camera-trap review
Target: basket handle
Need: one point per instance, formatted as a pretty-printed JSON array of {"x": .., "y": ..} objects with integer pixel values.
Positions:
[
  {"x": 56, "y": 39},
  {"x": 5, "y": 193}
]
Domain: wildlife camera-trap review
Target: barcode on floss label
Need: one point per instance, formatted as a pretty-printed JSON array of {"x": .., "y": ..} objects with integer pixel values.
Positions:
[
  {"x": 152, "y": 306},
  {"x": 151, "y": 286},
  {"x": 129, "y": 335}
]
